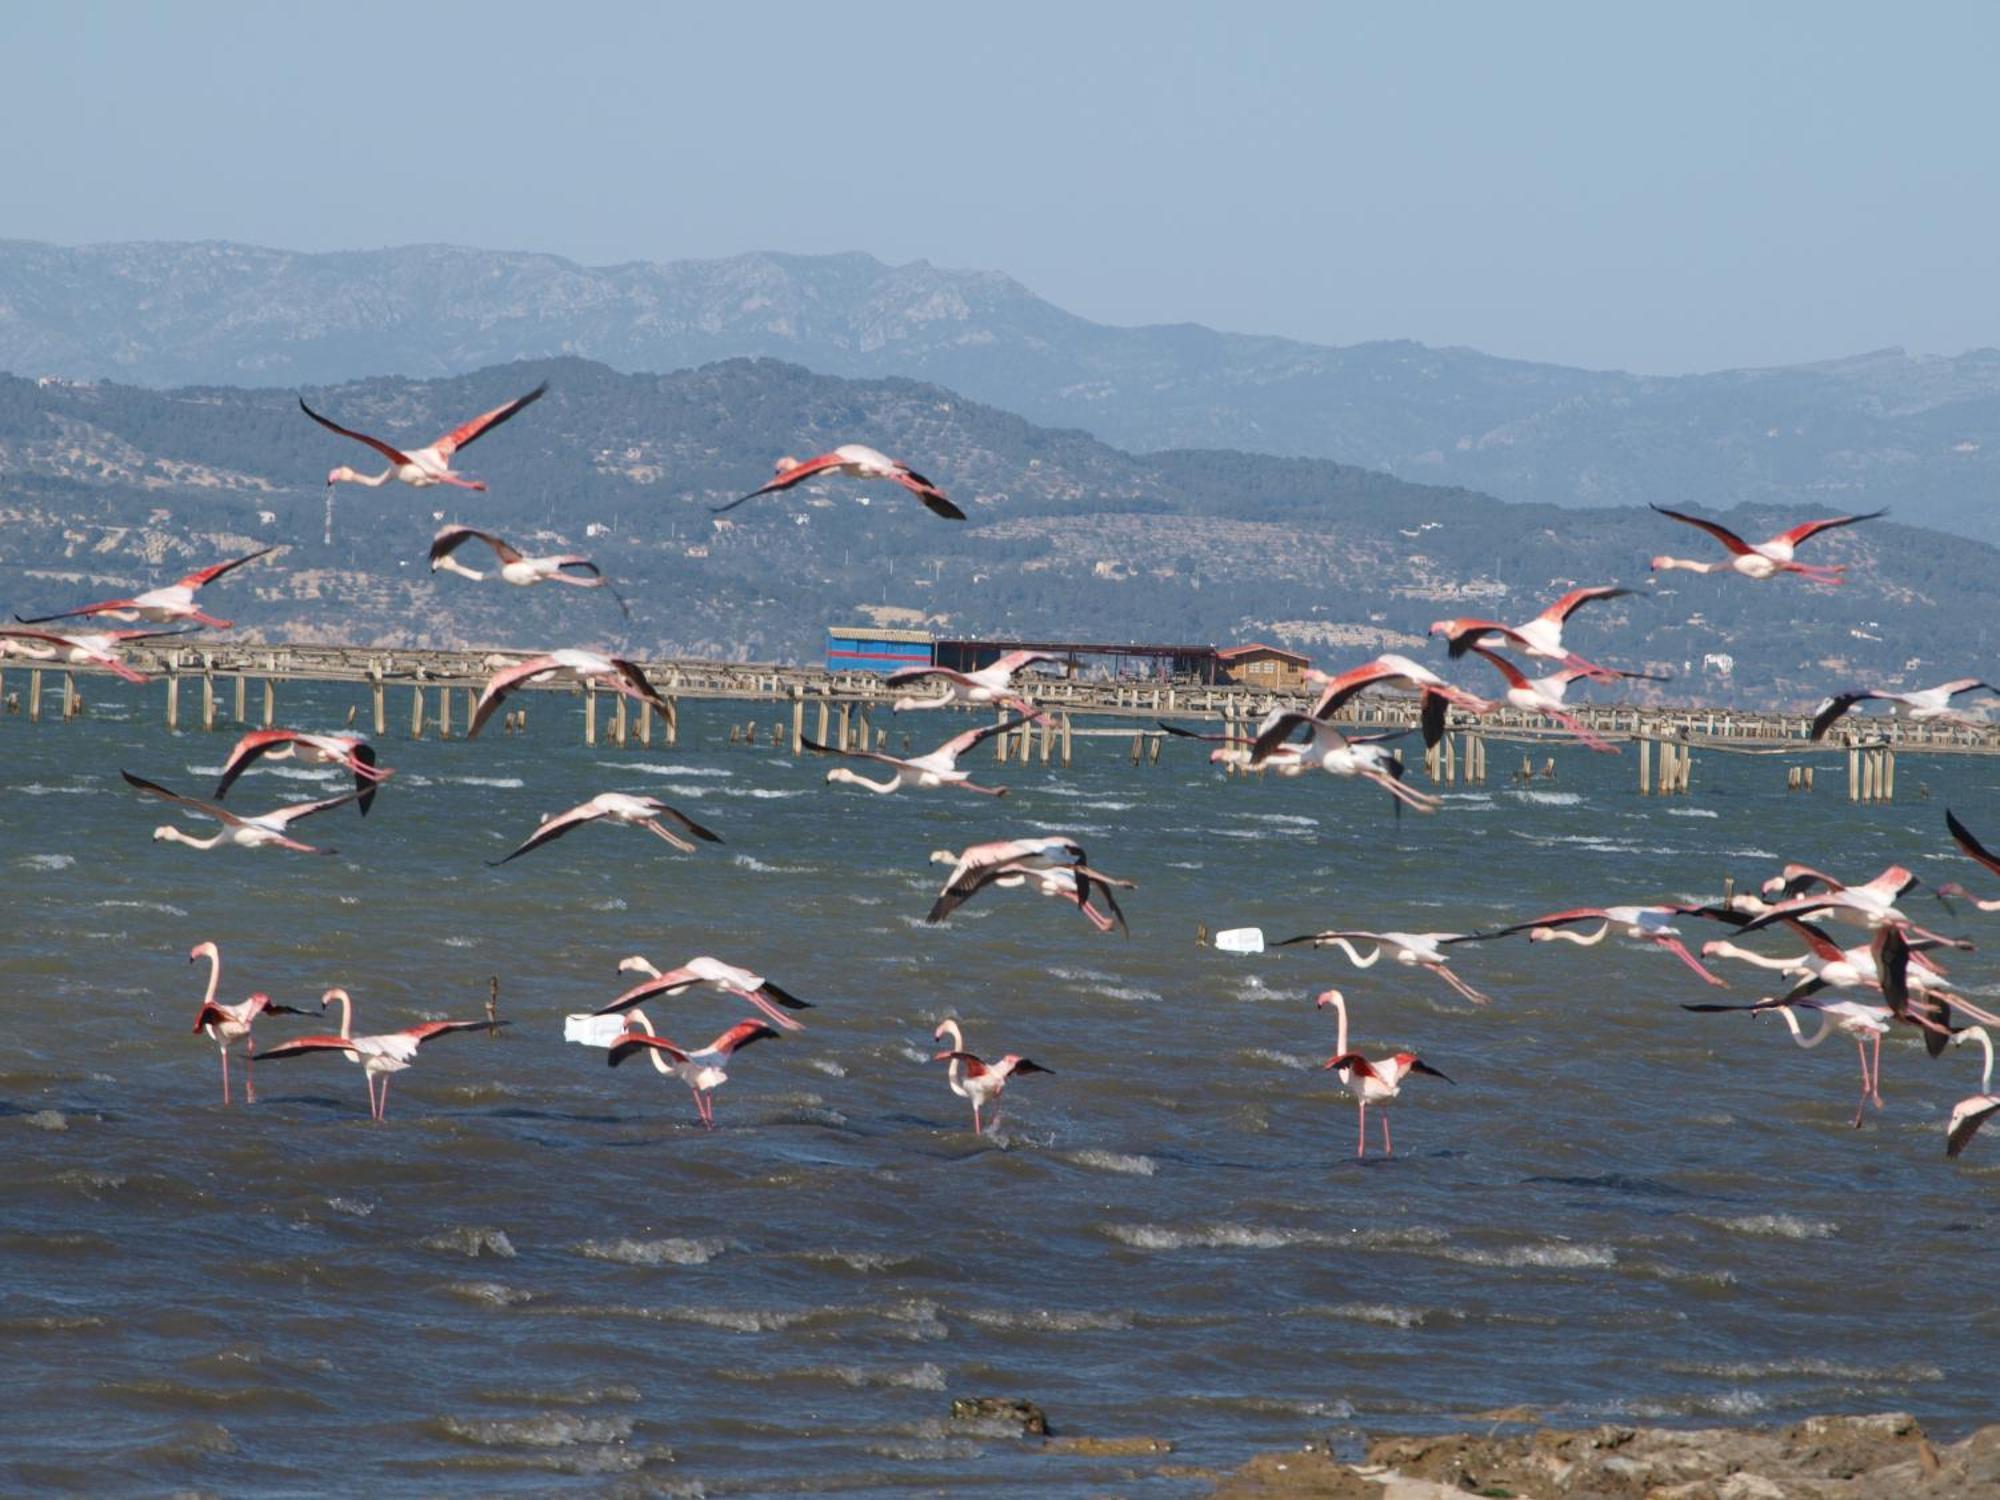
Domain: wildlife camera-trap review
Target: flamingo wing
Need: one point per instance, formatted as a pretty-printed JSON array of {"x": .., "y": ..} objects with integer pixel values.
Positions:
[
  {"x": 1963, "y": 837},
  {"x": 739, "y": 1036},
  {"x": 553, "y": 828},
  {"x": 394, "y": 455},
  {"x": 450, "y": 538},
  {"x": 256, "y": 743},
  {"x": 785, "y": 480},
  {"x": 467, "y": 433},
  {"x": 207, "y": 809},
  {"x": 1813, "y": 528},
  {"x": 1721, "y": 533},
  {"x": 1575, "y": 600},
  {"x": 636, "y": 1041},
  {"x": 201, "y": 576}
]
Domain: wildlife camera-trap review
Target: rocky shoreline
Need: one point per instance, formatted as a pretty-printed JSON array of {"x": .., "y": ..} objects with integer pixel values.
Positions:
[{"x": 1822, "y": 1458}]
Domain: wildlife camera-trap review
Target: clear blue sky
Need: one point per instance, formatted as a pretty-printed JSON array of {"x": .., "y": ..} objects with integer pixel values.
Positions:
[{"x": 1680, "y": 187}]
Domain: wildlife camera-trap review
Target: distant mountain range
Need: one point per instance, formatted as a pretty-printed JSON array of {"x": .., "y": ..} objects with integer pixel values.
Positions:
[
  {"x": 1921, "y": 435},
  {"x": 104, "y": 488}
]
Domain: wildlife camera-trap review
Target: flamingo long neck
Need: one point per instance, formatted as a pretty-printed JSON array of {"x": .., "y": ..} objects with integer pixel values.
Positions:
[
  {"x": 1360, "y": 963},
  {"x": 1798, "y": 1031},
  {"x": 653, "y": 1054},
  {"x": 950, "y": 1029},
  {"x": 174, "y": 835},
  {"x": 1978, "y": 1034},
  {"x": 841, "y": 773},
  {"x": 346, "y": 1011}
]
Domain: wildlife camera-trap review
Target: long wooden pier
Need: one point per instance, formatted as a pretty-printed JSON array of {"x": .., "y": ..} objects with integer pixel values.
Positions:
[{"x": 206, "y": 686}]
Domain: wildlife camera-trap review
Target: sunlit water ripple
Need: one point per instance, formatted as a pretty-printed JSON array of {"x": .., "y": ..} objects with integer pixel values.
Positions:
[{"x": 540, "y": 1276}]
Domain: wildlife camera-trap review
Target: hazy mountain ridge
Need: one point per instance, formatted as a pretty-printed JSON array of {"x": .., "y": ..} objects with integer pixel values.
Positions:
[
  {"x": 106, "y": 488},
  {"x": 1918, "y": 433}
]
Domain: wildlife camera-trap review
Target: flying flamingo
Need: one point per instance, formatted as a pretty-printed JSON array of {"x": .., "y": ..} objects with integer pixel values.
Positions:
[
  {"x": 1969, "y": 1114},
  {"x": 173, "y": 602},
  {"x": 1544, "y": 695},
  {"x": 703, "y": 1070},
  {"x": 616, "y": 673},
  {"x": 1541, "y": 636},
  {"x": 993, "y": 683},
  {"x": 616, "y": 807},
  {"x": 728, "y": 978},
  {"x": 938, "y": 768},
  {"x": 983, "y": 1082},
  {"x": 856, "y": 462},
  {"x": 348, "y": 750},
  {"x": 266, "y": 830},
  {"x": 1964, "y": 838},
  {"x": 1052, "y": 865},
  {"x": 1854, "y": 1018},
  {"x": 1376, "y": 1083},
  {"x": 225, "y": 1023},
  {"x": 1648, "y": 924},
  {"x": 1424, "y": 950},
  {"x": 1764, "y": 559},
  {"x": 515, "y": 567},
  {"x": 429, "y": 465},
  {"x": 380, "y": 1055},
  {"x": 1337, "y": 754},
  {"x": 81, "y": 648},
  {"x": 1437, "y": 696},
  {"x": 1925, "y": 704}
]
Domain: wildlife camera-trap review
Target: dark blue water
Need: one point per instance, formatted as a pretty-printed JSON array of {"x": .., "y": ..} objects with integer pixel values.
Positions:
[{"x": 541, "y": 1276}]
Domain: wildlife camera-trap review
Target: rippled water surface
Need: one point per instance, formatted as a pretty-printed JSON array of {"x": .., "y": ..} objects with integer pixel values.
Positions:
[{"x": 541, "y": 1276}]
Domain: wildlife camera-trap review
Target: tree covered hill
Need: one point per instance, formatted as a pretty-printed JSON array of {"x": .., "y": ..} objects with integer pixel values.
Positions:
[{"x": 105, "y": 488}]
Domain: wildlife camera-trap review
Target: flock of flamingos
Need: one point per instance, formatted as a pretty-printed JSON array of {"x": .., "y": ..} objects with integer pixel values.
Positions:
[{"x": 1892, "y": 962}]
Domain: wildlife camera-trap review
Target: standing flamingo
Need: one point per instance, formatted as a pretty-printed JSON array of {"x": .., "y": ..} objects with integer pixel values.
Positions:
[
  {"x": 983, "y": 1082},
  {"x": 380, "y": 1055},
  {"x": 428, "y": 465},
  {"x": 174, "y": 601},
  {"x": 1376, "y": 1083},
  {"x": 1541, "y": 636},
  {"x": 1763, "y": 559},
  {"x": 225, "y": 1023},
  {"x": 703, "y": 1070},
  {"x": 856, "y": 462},
  {"x": 1423, "y": 950}
]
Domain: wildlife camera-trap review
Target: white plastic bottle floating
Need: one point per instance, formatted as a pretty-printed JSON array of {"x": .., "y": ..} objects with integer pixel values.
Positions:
[{"x": 1240, "y": 940}]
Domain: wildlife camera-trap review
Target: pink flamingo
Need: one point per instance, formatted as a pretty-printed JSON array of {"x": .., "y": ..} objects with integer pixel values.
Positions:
[
  {"x": 428, "y": 465},
  {"x": 856, "y": 462},
  {"x": 983, "y": 1082},
  {"x": 1763, "y": 559},
  {"x": 175, "y": 601},
  {"x": 703, "y": 1071},
  {"x": 348, "y": 750},
  {"x": 381, "y": 1055},
  {"x": 225, "y": 1023}
]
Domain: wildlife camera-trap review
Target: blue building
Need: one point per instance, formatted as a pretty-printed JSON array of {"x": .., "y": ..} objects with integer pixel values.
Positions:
[{"x": 864, "y": 648}]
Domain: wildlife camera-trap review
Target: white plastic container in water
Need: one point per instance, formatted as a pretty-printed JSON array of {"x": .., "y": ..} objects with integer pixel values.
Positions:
[
  {"x": 593, "y": 1031},
  {"x": 1237, "y": 940}
]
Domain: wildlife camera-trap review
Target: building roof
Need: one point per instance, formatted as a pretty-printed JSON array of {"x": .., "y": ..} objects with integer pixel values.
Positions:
[{"x": 1229, "y": 653}]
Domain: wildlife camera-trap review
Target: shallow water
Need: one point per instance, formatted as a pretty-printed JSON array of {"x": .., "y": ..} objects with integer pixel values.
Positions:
[{"x": 540, "y": 1276}]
